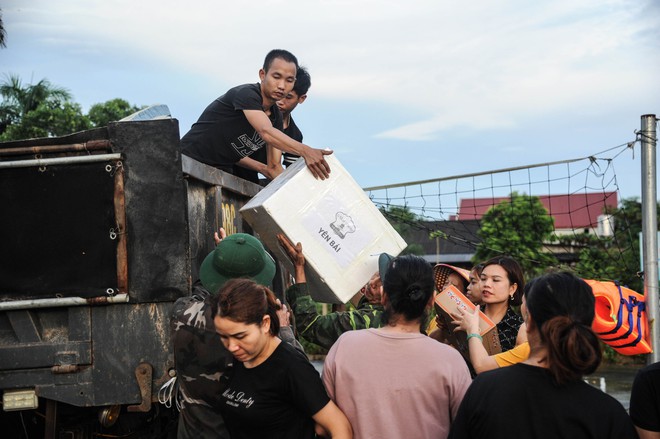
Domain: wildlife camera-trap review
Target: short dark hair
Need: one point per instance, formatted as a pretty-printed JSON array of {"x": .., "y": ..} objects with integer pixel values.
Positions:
[
  {"x": 303, "y": 81},
  {"x": 408, "y": 284},
  {"x": 562, "y": 306},
  {"x": 279, "y": 53}
]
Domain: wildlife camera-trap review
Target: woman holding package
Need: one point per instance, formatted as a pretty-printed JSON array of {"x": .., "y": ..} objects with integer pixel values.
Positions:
[
  {"x": 502, "y": 283},
  {"x": 394, "y": 381},
  {"x": 271, "y": 390},
  {"x": 547, "y": 392},
  {"x": 446, "y": 275},
  {"x": 480, "y": 359}
]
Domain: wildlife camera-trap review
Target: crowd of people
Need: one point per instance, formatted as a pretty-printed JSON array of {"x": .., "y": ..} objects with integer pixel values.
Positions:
[{"x": 241, "y": 372}]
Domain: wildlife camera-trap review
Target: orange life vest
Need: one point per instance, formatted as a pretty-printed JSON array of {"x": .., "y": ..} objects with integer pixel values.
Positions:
[{"x": 621, "y": 320}]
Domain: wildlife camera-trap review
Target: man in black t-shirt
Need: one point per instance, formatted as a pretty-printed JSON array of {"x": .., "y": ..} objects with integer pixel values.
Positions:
[
  {"x": 246, "y": 119},
  {"x": 272, "y": 157}
]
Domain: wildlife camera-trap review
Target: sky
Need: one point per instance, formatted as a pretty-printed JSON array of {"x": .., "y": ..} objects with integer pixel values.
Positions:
[{"x": 401, "y": 90}]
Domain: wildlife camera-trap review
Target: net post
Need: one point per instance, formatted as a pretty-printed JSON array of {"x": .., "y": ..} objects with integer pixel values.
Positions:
[{"x": 650, "y": 228}]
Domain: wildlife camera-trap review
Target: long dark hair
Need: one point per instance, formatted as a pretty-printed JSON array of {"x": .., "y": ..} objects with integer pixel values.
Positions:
[
  {"x": 561, "y": 306},
  {"x": 245, "y": 301},
  {"x": 408, "y": 284}
]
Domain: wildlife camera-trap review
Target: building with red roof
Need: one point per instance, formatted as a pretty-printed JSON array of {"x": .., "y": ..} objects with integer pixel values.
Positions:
[{"x": 572, "y": 213}]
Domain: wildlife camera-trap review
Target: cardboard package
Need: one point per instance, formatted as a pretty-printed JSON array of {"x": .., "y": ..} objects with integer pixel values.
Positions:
[
  {"x": 341, "y": 230},
  {"x": 449, "y": 301}
]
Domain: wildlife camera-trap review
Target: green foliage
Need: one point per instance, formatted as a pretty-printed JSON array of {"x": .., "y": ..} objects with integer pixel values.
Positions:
[
  {"x": 402, "y": 219},
  {"x": 19, "y": 100},
  {"x": 438, "y": 234},
  {"x": 48, "y": 120},
  {"x": 517, "y": 227},
  {"x": 610, "y": 356},
  {"x": 111, "y": 111},
  {"x": 3, "y": 33},
  {"x": 615, "y": 257},
  {"x": 413, "y": 249},
  {"x": 45, "y": 110}
]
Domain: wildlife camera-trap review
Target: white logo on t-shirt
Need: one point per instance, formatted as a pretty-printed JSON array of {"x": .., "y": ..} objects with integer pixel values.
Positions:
[
  {"x": 248, "y": 145},
  {"x": 237, "y": 399}
]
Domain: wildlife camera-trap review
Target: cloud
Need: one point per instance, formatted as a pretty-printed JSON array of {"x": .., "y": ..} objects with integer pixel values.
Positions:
[{"x": 480, "y": 65}]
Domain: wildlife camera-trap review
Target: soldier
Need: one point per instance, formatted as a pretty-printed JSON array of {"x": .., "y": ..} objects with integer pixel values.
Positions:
[{"x": 324, "y": 330}]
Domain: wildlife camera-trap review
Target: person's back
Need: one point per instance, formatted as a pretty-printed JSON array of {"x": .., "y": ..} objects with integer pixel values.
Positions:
[
  {"x": 403, "y": 385},
  {"x": 394, "y": 381},
  {"x": 522, "y": 401},
  {"x": 546, "y": 396}
]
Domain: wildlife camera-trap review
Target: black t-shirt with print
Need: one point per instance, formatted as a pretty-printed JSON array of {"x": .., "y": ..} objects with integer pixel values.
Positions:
[
  {"x": 275, "y": 399},
  {"x": 262, "y": 155},
  {"x": 222, "y": 135}
]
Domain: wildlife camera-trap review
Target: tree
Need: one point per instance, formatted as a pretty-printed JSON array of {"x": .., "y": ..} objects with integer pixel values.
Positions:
[
  {"x": 402, "y": 219},
  {"x": 517, "y": 227},
  {"x": 3, "y": 34},
  {"x": 48, "y": 120},
  {"x": 45, "y": 110},
  {"x": 19, "y": 100},
  {"x": 110, "y": 111},
  {"x": 615, "y": 257}
]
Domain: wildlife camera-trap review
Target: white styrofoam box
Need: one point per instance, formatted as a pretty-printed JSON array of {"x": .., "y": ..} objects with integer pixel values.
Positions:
[{"x": 341, "y": 231}]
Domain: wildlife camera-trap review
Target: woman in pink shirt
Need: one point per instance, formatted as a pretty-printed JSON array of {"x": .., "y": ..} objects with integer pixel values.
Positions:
[{"x": 394, "y": 381}]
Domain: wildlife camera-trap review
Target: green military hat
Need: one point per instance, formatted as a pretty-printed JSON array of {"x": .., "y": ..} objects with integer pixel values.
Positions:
[{"x": 237, "y": 256}]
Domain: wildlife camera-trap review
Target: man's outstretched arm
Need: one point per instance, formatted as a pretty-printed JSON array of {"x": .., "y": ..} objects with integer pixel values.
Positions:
[{"x": 315, "y": 158}]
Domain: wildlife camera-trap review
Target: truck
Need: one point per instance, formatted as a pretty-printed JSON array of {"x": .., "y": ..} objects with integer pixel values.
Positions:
[{"x": 101, "y": 231}]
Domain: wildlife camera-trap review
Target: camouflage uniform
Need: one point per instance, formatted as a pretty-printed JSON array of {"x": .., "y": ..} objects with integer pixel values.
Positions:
[
  {"x": 324, "y": 330},
  {"x": 200, "y": 359}
]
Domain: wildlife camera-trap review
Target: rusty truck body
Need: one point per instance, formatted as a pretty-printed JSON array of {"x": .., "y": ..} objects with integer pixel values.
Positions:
[{"x": 100, "y": 232}]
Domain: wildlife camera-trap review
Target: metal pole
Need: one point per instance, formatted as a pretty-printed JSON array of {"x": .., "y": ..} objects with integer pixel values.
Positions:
[
  {"x": 60, "y": 161},
  {"x": 650, "y": 229},
  {"x": 62, "y": 301}
]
